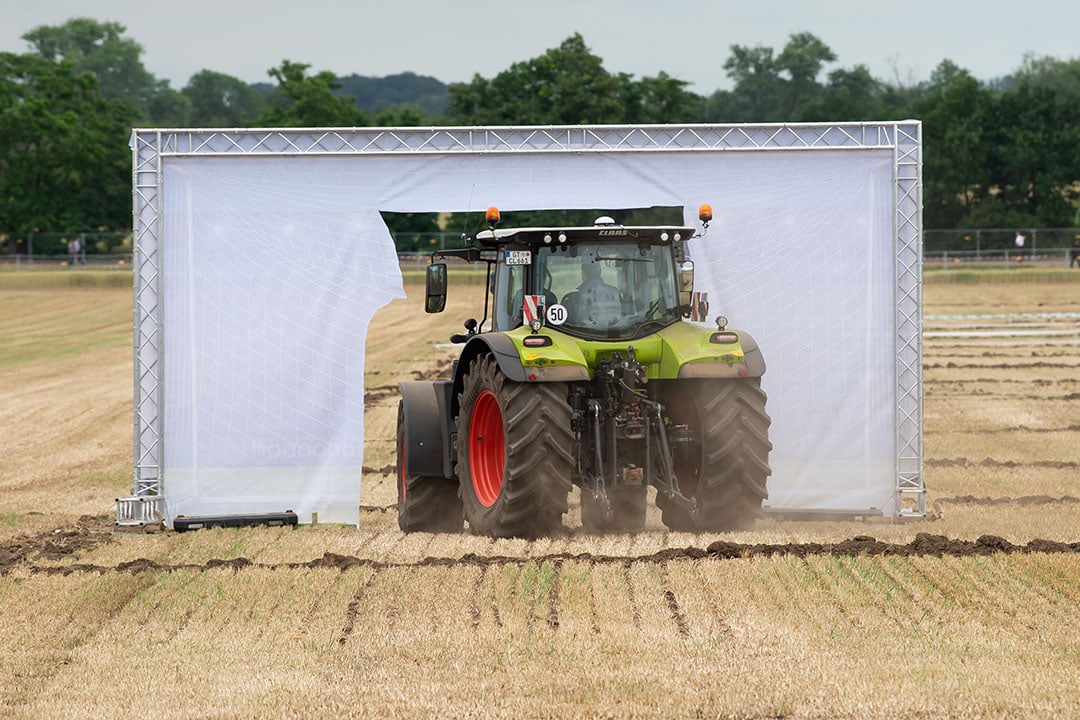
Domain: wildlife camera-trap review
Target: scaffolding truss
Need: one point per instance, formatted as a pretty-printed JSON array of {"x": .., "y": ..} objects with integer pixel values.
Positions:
[{"x": 153, "y": 148}]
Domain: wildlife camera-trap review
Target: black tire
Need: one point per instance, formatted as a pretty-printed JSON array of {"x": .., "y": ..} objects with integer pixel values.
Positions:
[
  {"x": 514, "y": 450},
  {"x": 628, "y": 506},
  {"x": 424, "y": 503},
  {"x": 727, "y": 469}
]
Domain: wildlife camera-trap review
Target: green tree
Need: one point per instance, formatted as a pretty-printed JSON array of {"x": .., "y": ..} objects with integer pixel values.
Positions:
[
  {"x": 1034, "y": 143},
  {"x": 660, "y": 99},
  {"x": 221, "y": 101},
  {"x": 769, "y": 87},
  {"x": 402, "y": 116},
  {"x": 567, "y": 85},
  {"x": 301, "y": 100},
  {"x": 954, "y": 110},
  {"x": 802, "y": 61},
  {"x": 849, "y": 95},
  {"x": 64, "y": 160},
  {"x": 101, "y": 48},
  {"x": 758, "y": 89}
]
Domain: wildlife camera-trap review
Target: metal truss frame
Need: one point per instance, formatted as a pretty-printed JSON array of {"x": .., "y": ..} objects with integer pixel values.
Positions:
[{"x": 151, "y": 149}]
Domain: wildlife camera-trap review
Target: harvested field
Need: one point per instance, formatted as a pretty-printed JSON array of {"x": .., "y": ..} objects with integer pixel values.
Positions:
[{"x": 974, "y": 612}]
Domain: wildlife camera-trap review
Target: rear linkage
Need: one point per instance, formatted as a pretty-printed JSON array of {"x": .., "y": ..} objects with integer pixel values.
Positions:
[{"x": 622, "y": 437}]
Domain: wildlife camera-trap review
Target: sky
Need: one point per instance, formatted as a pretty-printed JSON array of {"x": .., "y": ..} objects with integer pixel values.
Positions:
[{"x": 452, "y": 41}]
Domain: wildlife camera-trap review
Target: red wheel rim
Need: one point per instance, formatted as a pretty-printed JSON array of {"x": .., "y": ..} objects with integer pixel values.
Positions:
[{"x": 487, "y": 448}]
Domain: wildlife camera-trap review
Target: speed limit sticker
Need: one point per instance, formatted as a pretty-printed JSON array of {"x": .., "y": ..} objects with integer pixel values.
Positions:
[{"x": 556, "y": 314}]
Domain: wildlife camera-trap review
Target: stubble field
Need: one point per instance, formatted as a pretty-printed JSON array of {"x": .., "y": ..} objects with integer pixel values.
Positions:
[{"x": 974, "y": 612}]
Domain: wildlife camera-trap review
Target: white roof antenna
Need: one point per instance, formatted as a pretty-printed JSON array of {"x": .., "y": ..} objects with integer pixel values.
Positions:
[{"x": 604, "y": 220}]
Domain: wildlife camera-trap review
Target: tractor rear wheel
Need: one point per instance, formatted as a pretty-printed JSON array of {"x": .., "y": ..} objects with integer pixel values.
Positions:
[
  {"x": 424, "y": 504},
  {"x": 514, "y": 453},
  {"x": 726, "y": 469}
]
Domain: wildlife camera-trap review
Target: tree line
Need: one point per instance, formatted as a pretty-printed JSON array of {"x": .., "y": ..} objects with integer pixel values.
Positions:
[{"x": 1003, "y": 153}]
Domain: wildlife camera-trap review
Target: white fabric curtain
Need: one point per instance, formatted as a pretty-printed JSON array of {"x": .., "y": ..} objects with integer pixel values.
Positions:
[{"x": 273, "y": 267}]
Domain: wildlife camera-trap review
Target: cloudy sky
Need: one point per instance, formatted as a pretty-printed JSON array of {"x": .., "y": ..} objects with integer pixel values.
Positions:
[{"x": 454, "y": 40}]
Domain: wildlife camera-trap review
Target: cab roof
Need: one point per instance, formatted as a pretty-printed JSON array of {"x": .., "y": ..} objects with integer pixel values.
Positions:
[{"x": 591, "y": 233}]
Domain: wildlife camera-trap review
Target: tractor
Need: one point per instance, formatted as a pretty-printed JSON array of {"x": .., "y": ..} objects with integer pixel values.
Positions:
[{"x": 592, "y": 370}]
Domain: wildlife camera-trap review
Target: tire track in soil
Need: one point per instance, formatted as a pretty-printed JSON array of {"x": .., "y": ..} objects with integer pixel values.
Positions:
[
  {"x": 496, "y": 615},
  {"x": 1009, "y": 464},
  {"x": 160, "y": 602},
  {"x": 553, "y": 596},
  {"x": 368, "y": 540},
  {"x": 474, "y": 605},
  {"x": 935, "y": 586},
  {"x": 635, "y": 611},
  {"x": 353, "y": 610},
  {"x": 924, "y": 544},
  {"x": 1018, "y": 428},
  {"x": 714, "y": 607},
  {"x": 1001, "y": 366},
  {"x": 1004, "y": 578},
  {"x": 594, "y": 620},
  {"x": 939, "y": 350},
  {"x": 1043, "y": 577},
  {"x": 316, "y": 605},
  {"x": 963, "y": 384},
  {"x": 672, "y": 602},
  {"x": 870, "y": 588},
  {"x": 987, "y": 395},
  {"x": 1021, "y": 500},
  {"x": 827, "y": 586},
  {"x": 973, "y": 592},
  {"x": 901, "y": 587}
]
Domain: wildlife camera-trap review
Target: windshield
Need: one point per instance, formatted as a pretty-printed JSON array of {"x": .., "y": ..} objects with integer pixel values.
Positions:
[{"x": 610, "y": 290}]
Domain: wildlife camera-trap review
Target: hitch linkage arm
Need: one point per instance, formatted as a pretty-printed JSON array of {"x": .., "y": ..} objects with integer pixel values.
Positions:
[{"x": 668, "y": 482}]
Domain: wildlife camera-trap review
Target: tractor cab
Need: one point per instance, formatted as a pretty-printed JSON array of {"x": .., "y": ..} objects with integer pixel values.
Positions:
[{"x": 603, "y": 282}]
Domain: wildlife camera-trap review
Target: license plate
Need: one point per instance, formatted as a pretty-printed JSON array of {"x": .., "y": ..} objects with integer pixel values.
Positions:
[{"x": 519, "y": 257}]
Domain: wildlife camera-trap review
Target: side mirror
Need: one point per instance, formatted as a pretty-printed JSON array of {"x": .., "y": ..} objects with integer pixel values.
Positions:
[
  {"x": 435, "y": 288},
  {"x": 686, "y": 283}
]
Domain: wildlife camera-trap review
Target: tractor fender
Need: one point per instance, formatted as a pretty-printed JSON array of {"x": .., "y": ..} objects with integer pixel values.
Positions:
[
  {"x": 755, "y": 362},
  {"x": 506, "y": 355},
  {"x": 752, "y": 365},
  {"x": 495, "y": 344},
  {"x": 427, "y": 422}
]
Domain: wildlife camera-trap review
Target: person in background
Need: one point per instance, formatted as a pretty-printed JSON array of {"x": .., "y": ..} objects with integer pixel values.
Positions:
[{"x": 1074, "y": 253}]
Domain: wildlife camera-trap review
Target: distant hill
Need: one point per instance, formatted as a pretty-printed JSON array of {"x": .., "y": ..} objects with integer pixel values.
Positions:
[{"x": 373, "y": 94}]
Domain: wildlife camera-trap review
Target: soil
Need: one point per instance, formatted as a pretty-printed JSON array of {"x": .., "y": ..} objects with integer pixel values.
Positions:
[
  {"x": 62, "y": 543},
  {"x": 39, "y": 553}
]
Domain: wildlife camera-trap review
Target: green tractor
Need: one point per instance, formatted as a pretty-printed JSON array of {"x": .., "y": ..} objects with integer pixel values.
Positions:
[{"x": 589, "y": 375}]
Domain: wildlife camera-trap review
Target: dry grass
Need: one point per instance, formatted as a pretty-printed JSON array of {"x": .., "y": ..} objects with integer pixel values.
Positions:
[
  {"x": 65, "y": 380},
  {"x": 344, "y": 622}
]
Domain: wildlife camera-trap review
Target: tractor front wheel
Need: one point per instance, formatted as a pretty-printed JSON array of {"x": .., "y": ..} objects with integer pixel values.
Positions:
[{"x": 514, "y": 453}]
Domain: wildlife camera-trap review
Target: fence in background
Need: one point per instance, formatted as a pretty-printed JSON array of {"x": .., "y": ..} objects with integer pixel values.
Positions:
[
  {"x": 941, "y": 248},
  {"x": 19, "y": 262}
]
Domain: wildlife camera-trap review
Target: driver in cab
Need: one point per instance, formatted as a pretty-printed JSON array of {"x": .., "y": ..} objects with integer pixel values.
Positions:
[{"x": 595, "y": 302}]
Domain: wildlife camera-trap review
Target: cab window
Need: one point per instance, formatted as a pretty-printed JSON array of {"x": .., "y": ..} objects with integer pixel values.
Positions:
[{"x": 508, "y": 292}]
